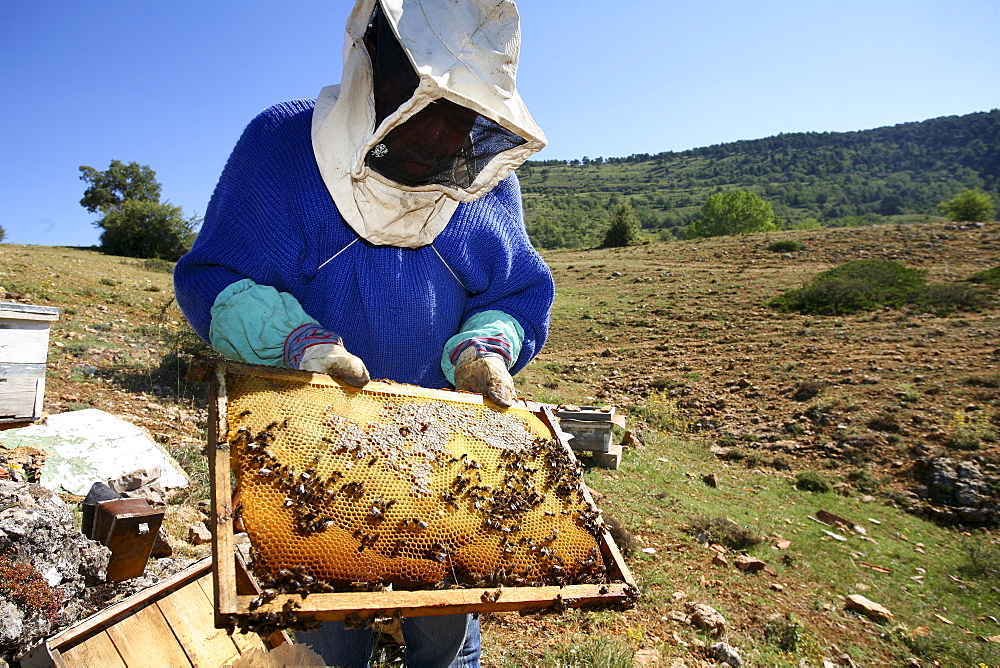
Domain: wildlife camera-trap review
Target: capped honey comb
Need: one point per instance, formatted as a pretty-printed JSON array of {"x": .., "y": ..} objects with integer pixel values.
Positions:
[{"x": 344, "y": 488}]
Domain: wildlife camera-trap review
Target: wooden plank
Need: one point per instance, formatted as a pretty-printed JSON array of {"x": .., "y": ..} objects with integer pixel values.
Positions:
[
  {"x": 24, "y": 341},
  {"x": 280, "y": 373},
  {"x": 224, "y": 567},
  {"x": 97, "y": 650},
  {"x": 115, "y": 613},
  {"x": 145, "y": 639},
  {"x": 18, "y": 397},
  {"x": 443, "y": 602},
  {"x": 190, "y": 616},
  {"x": 243, "y": 641},
  {"x": 42, "y": 656}
]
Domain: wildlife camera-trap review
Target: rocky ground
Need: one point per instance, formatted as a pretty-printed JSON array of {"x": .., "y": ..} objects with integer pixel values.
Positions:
[{"x": 907, "y": 403}]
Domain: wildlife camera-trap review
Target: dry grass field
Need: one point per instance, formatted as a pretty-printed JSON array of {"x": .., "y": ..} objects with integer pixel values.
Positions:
[{"x": 715, "y": 383}]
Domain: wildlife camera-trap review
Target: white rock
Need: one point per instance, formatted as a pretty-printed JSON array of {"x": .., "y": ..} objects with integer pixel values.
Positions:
[{"x": 83, "y": 447}]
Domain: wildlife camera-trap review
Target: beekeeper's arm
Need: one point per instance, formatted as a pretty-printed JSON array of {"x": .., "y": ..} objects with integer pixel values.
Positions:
[
  {"x": 479, "y": 357},
  {"x": 257, "y": 324}
]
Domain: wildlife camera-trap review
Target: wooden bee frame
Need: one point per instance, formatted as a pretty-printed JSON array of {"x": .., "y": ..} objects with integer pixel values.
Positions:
[{"x": 619, "y": 592}]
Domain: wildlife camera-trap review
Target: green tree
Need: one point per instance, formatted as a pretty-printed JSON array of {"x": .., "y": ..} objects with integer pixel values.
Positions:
[
  {"x": 134, "y": 222},
  {"x": 624, "y": 228},
  {"x": 738, "y": 212},
  {"x": 147, "y": 229},
  {"x": 971, "y": 205},
  {"x": 3, "y": 233},
  {"x": 118, "y": 183}
]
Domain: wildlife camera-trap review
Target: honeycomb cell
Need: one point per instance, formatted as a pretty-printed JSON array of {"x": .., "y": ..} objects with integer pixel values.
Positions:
[{"x": 346, "y": 489}]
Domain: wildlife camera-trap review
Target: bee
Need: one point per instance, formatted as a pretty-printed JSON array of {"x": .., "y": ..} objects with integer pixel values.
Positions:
[
  {"x": 245, "y": 413},
  {"x": 488, "y": 597}
]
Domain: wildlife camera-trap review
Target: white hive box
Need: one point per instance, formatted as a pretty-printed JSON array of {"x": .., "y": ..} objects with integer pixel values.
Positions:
[{"x": 24, "y": 345}]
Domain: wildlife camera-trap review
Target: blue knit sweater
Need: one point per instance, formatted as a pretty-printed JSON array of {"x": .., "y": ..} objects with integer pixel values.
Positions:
[{"x": 272, "y": 220}]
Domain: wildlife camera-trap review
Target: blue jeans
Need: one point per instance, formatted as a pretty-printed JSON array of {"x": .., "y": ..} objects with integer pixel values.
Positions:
[{"x": 443, "y": 641}]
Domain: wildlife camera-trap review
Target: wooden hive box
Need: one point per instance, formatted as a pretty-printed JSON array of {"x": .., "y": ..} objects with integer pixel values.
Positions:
[
  {"x": 169, "y": 625},
  {"x": 24, "y": 345},
  {"x": 616, "y": 591}
]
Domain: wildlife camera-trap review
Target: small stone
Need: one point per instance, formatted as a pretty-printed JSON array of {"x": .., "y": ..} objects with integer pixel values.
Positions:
[
  {"x": 647, "y": 657},
  {"x": 161, "y": 545},
  {"x": 199, "y": 534},
  {"x": 632, "y": 438},
  {"x": 725, "y": 653},
  {"x": 868, "y": 608},
  {"x": 748, "y": 564},
  {"x": 133, "y": 480},
  {"x": 720, "y": 560},
  {"x": 706, "y": 618}
]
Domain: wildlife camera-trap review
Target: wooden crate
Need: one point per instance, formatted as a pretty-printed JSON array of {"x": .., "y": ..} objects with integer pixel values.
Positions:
[
  {"x": 128, "y": 528},
  {"x": 24, "y": 344},
  {"x": 620, "y": 591},
  {"x": 169, "y": 624}
]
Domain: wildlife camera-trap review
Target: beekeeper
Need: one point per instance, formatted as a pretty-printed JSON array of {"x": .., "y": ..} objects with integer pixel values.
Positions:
[{"x": 378, "y": 232}]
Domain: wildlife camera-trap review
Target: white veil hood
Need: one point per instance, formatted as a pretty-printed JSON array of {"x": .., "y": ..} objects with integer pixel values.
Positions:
[{"x": 464, "y": 51}]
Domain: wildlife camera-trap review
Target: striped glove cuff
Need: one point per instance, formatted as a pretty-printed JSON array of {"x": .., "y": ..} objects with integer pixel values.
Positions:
[{"x": 301, "y": 338}]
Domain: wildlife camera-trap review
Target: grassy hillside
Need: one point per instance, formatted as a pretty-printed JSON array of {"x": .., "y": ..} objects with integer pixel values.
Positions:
[
  {"x": 890, "y": 174},
  {"x": 715, "y": 384}
]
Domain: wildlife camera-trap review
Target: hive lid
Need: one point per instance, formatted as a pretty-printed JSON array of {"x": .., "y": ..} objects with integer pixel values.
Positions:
[
  {"x": 588, "y": 414},
  {"x": 28, "y": 311}
]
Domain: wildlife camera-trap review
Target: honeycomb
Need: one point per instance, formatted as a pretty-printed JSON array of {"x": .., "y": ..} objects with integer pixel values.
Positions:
[{"x": 347, "y": 489}]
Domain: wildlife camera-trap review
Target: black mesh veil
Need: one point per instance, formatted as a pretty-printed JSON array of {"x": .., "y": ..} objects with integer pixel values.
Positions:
[{"x": 444, "y": 143}]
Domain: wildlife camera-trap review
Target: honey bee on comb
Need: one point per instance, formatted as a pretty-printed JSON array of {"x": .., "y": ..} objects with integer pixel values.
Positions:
[{"x": 345, "y": 488}]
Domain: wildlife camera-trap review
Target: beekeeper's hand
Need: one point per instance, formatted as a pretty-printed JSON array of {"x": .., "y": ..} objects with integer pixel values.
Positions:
[
  {"x": 312, "y": 348},
  {"x": 333, "y": 358},
  {"x": 485, "y": 373}
]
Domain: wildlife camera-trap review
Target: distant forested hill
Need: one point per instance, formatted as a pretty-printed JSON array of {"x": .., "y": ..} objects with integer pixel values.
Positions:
[{"x": 812, "y": 179}]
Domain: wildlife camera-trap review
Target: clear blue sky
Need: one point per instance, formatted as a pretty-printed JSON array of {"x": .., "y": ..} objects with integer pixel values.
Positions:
[{"x": 172, "y": 84}]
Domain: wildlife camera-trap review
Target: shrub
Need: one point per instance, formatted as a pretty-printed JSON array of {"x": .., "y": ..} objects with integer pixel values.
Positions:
[
  {"x": 863, "y": 480},
  {"x": 784, "y": 632},
  {"x": 724, "y": 531},
  {"x": 866, "y": 285},
  {"x": 982, "y": 561},
  {"x": 811, "y": 481},
  {"x": 969, "y": 431},
  {"x": 595, "y": 652},
  {"x": 990, "y": 277},
  {"x": 662, "y": 412},
  {"x": 807, "y": 389},
  {"x": 158, "y": 265},
  {"x": 786, "y": 246},
  {"x": 859, "y": 285},
  {"x": 942, "y": 299}
]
